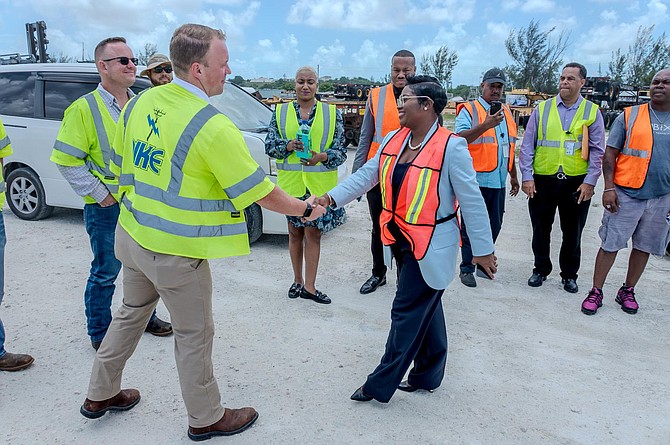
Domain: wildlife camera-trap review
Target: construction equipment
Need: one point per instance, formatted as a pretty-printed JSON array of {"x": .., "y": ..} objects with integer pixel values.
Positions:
[
  {"x": 36, "y": 39},
  {"x": 613, "y": 96}
]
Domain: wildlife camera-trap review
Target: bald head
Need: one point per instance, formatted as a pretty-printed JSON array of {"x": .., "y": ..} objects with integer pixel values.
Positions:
[{"x": 660, "y": 90}]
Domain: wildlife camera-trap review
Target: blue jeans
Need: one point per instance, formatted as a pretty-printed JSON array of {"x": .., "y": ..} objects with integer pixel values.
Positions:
[
  {"x": 3, "y": 241},
  {"x": 100, "y": 226}
]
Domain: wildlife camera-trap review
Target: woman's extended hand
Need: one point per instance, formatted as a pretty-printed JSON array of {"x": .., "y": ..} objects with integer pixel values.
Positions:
[{"x": 488, "y": 263}]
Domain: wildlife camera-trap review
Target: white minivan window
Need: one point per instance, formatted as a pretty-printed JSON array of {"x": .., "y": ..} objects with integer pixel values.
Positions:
[{"x": 17, "y": 94}]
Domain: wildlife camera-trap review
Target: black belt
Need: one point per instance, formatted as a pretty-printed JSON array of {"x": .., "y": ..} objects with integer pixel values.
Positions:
[{"x": 448, "y": 217}]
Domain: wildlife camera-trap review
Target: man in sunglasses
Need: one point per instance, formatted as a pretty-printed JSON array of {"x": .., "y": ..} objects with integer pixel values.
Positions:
[
  {"x": 159, "y": 70},
  {"x": 82, "y": 152}
]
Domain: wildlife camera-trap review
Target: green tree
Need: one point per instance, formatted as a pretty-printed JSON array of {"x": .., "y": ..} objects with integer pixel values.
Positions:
[
  {"x": 617, "y": 66},
  {"x": 461, "y": 90},
  {"x": 149, "y": 50},
  {"x": 440, "y": 65},
  {"x": 536, "y": 56}
]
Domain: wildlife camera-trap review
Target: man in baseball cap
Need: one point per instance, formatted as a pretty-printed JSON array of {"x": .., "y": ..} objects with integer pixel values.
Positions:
[
  {"x": 159, "y": 69},
  {"x": 490, "y": 129}
]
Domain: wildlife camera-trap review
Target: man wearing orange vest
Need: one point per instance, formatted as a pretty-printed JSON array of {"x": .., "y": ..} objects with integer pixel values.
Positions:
[
  {"x": 381, "y": 117},
  {"x": 637, "y": 193},
  {"x": 491, "y": 137}
]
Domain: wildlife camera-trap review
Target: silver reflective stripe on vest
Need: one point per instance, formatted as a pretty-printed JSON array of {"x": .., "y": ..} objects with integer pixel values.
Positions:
[
  {"x": 545, "y": 118},
  {"x": 116, "y": 158},
  {"x": 546, "y": 143},
  {"x": 325, "y": 110},
  {"x": 185, "y": 230},
  {"x": 283, "y": 115},
  {"x": 178, "y": 202},
  {"x": 379, "y": 117},
  {"x": 3, "y": 186},
  {"x": 634, "y": 152},
  {"x": 184, "y": 145},
  {"x": 246, "y": 184},
  {"x": 4, "y": 142},
  {"x": 113, "y": 188},
  {"x": 484, "y": 140},
  {"x": 70, "y": 150},
  {"x": 475, "y": 114},
  {"x": 100, "y": 131},
  {"x": 128, "y": 110},
  {"x": 587, "y": 110},
  {"x": 286, "y": 166}
]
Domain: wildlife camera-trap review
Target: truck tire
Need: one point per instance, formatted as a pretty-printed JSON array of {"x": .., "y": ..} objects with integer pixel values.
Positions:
[
  {"x": 25, "y": 195},
  {"x": 359, "y": 93},
  {"x": 254, "y": 217},
  {"x": 367, "y": 93}
]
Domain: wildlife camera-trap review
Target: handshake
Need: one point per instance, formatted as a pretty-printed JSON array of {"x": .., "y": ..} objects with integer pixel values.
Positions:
[{"x": 319, "y": 205}]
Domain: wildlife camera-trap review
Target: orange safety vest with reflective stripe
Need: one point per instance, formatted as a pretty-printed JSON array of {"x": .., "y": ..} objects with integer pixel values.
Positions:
[
  {"x": 484, "y": 149},
  {"x": 382, "y": 104},
  {"x": 633, "y": 160},
  {"x": 415, "y": 211}
]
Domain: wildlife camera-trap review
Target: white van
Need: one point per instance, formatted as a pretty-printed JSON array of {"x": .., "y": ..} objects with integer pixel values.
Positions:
[{"x": 33, "y": 98}]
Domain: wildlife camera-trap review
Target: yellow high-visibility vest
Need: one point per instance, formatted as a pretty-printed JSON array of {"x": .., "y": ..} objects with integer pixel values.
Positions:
[
  {"x": 5, "y": 150},
  {"x": 293, "y": 177},
  {"x": 556, "y": 147},
  {"x": 84, "y": 139},
  {"x": 185, "y": 176}
]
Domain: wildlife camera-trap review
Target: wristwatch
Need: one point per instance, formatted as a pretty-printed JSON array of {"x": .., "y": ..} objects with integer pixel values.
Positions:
[{"x": 308, "y": 210}]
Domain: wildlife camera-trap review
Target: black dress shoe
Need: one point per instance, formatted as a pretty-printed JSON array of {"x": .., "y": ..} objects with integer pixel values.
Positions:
[
  {"x": 360, "y": 396},
  {"x": 159, "y": 327},
  {"x": 536, "y": 280},
  {"x": 405, "y": 386},
  {"x": 570, "y": 285},
  {"x": 318, "y": 296},
  {"x": 372, "y": 284}
]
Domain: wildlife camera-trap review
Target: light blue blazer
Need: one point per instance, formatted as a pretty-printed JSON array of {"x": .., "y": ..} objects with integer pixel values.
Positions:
[{"x": 457, "y": 181}]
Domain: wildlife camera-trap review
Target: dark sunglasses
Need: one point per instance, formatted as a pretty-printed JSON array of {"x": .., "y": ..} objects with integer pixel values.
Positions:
[
  {"x": 123, "y": 60},
  {"x": 160, "y": 69}
]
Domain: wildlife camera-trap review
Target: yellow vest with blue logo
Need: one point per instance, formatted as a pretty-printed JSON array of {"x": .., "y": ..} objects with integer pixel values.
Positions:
[
  {"x": 185, "y": 176},
  {"x": 293, "y": 177},
  {"x": 556, "y": 147},
  {"x": 5, "y": 150},
  {"x": 84, "y": 138}
]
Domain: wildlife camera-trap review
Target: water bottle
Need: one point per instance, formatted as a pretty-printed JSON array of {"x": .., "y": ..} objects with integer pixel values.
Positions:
[{"x": 303, "y": 136}]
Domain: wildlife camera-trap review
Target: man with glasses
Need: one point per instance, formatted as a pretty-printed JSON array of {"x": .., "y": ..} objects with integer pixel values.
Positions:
[
  {"x": 82, "y": 152},
  {"x": 381, "y": 117},
  {"x": 159, "y": 70},
  {"x": 489, "y": 127}
]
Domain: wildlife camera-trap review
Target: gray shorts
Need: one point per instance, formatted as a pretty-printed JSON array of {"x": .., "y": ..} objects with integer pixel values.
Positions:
[{"x": 646, "y": 221}]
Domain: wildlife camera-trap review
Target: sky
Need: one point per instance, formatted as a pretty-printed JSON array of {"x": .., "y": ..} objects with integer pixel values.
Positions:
[{"x": 340, "y": 37}]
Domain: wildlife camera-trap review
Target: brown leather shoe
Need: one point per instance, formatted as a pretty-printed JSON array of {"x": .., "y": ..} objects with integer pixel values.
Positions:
[
  {"x": 234, "y": 421},
  {"x": 159, "y": 328},
  {"x": 123, "y": 401},
  {"x": 15, "y": 362}
]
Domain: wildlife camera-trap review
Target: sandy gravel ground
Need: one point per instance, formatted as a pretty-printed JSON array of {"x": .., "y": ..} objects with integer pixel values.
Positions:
[{"x": 525, "y": 366}]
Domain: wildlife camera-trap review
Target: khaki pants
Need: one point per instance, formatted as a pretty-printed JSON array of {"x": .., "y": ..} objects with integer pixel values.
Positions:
[{"x": 185, "y": 285}]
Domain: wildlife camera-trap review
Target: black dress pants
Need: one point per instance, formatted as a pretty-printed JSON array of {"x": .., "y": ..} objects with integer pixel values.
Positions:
[
  {"x": 418, "y": 333},
  {"x": 374, "y": 197},
  {"x": 495, "y": 205},
  {"x": 553, "y": 193}
]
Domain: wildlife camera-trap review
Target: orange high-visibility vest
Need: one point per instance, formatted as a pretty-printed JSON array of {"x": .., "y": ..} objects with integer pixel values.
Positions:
[
  {"x": 484, "y": 149},
  {"x": 384, "y": 113},
  {"x": 415, "y": 211},
  {"x": 633, "y": 160}
]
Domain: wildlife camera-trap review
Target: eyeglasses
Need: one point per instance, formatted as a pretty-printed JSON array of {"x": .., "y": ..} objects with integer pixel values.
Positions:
[
  {"x": 401, "y": 99},
  {"x": 123, "y": 60},
  {"x": 161, "y": 69}
]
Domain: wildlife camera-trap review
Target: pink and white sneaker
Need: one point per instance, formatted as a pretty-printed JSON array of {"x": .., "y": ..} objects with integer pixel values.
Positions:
[{"x": 593, "y": 301}]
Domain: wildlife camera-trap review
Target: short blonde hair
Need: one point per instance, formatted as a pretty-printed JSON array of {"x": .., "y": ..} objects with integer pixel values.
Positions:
[{"x": 190, "y": 43}]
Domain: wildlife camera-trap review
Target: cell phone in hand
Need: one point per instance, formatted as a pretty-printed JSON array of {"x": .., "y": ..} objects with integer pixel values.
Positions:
[{"x": 496, "y": 105}]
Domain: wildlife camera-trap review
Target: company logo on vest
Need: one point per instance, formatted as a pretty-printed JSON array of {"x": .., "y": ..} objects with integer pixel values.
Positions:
[{"x": 146, "y": 156}]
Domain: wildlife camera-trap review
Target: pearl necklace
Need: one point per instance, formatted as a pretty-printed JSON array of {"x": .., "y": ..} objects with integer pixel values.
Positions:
[
  {"x": 657, "y": 118},
  {"x": 412, "y": 147}
]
